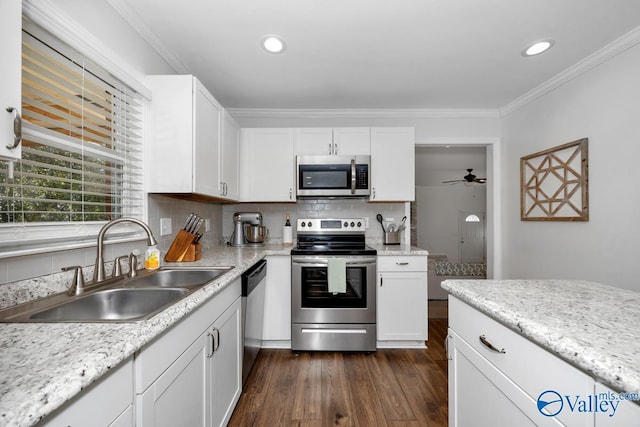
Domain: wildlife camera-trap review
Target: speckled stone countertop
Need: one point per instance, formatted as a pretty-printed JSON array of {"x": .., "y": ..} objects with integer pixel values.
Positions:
[
  {"x": 43, "y": 365},
  {"x": 391, "y": 250},
  {"x": 594, "y": 327}
]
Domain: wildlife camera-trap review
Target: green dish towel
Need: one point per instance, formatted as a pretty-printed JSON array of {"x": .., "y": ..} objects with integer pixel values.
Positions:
[{"x": 337, "y": 275}]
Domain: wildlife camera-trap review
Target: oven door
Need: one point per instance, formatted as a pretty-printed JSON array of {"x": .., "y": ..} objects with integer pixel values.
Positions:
[{"x": 311, "y": 301}]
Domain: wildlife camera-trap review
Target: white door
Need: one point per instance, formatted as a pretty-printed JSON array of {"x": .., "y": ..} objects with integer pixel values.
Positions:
[{"x": 471, "y": 236}]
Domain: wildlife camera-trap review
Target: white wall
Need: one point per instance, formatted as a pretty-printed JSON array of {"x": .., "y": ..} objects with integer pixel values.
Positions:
[
  {"x": 437, "y": 215},
  {"x": 604, "y": 106}
]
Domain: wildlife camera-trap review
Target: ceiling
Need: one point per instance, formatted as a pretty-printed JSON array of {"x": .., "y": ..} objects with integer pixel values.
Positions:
[{"x": 376, "y": 54}]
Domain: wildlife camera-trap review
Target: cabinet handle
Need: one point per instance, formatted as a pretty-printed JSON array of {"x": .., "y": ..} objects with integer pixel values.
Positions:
[
  {"x": 402, "y": 263},
  {"x": 373, "y": 193},
  {"x": 217, "y": 339},
  {"x": 483, "y": 340},
  {"x": 212, "y": 346},
  {"x": 380, "y": 281},
  {"x": 17, "y": 128},
  {"x": 290, "y": 193},
  {"x": 330, "y": 148},
  {"x": 335, "y": 148}
]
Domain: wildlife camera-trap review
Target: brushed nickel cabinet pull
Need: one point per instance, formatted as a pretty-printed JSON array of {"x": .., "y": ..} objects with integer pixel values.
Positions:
[
  {"x": 483, "y": 340},
  {"x": 402, "y": 263},
  {"x": 212, "y": 344},
  {"x": 17, "y": 128}
]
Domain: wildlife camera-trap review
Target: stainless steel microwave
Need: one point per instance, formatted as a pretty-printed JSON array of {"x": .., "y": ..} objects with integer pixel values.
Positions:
[{"x": 333, "y": 176}]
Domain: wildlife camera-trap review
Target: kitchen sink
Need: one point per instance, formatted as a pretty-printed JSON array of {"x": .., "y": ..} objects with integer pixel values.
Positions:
[
  {"x": 117, "y": 300},
  {"x": 113, "y": 304}
]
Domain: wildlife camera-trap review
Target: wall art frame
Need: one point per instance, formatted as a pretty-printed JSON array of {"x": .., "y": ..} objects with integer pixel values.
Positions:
[{"x": 554, "y": 183}]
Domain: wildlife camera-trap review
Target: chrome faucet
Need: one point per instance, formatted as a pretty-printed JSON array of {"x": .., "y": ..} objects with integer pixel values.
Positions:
[{"x": 98, "y": 269}]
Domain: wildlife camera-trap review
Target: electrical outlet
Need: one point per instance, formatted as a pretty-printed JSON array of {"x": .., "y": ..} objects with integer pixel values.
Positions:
[
  {"x": 207, "y": 225},
  {"x": 165, "y": 226}
]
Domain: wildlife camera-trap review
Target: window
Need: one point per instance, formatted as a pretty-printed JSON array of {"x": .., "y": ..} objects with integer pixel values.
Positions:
[{"x": 82, "y": 146}]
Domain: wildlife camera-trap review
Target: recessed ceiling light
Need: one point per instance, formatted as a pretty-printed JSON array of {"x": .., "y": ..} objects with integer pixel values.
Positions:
[
  {"x": 538, "y": 47},
  {"x": 273, "y": 44}
]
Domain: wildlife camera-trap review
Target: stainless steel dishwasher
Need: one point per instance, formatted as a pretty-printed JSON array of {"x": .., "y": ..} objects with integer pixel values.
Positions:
[{"x": 253, "y": 288}]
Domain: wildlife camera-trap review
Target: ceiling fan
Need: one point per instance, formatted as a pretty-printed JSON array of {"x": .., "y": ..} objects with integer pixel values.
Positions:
[{"x": 468, "y": 178}]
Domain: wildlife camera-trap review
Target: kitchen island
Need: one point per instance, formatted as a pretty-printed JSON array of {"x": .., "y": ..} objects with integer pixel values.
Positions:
[{"x": 580, "y": 339}]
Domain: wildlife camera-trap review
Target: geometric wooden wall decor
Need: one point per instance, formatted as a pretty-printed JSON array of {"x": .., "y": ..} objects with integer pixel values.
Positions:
[{"x": 554, "y": 184}]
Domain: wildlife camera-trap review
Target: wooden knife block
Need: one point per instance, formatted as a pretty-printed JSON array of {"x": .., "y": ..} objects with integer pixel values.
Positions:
[
  {"x": 193, "y": 252},
  {"x": 181, "y": 246}
]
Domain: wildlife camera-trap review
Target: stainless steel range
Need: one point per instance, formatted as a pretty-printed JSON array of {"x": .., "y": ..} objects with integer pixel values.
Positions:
[{"x": 333, "y": 294}]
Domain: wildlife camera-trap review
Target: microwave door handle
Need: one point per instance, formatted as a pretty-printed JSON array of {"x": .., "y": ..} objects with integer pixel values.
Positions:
[{"x": 353, "y": 176}]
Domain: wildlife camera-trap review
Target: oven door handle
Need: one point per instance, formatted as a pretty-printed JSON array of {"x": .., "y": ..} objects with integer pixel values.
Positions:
[{"x": 324, "y": 262}]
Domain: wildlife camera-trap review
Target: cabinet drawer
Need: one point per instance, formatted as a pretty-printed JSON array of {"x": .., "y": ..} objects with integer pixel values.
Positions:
[
  {"x": 402, "y": 263},
  {"x": 532, "y": 368}
]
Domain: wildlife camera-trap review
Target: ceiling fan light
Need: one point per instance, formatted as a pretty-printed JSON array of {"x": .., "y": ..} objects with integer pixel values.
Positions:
[{"x": 538, "y": 47}]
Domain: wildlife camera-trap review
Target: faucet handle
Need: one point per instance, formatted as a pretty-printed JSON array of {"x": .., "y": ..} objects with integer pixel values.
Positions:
[
  {"x": 77, "y": 286},
  {"x": 133, "y": 263},
  {"x": 117, "y": 267}
]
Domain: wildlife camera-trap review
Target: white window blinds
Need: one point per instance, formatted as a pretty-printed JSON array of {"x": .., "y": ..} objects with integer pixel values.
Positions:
[{"x": 82, "y": 141}]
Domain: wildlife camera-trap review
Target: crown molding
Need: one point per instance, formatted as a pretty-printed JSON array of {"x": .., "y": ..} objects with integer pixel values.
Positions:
[
  {"x": 601, "y": 56},
  {"x": 361, "y": 113},
  {"x": 127, "y": 13}
]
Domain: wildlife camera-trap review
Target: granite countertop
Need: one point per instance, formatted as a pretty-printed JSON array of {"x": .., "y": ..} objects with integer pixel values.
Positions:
[
  {"x": 594, "y": 327},
  {"x": 403, "y": 249},
  {"x": 43, "y": 365}
]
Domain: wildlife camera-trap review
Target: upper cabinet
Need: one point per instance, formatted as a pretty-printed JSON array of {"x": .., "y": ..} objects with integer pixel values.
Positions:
[
  {"x": 267, "y": 165},
  {"x": 229, "y": 158},
  {"x": 183, "y": 149},
  {"x": 392, "y": 164},
  {"x": 332, "y": 141},
  {"x": 10, "y": 84}
]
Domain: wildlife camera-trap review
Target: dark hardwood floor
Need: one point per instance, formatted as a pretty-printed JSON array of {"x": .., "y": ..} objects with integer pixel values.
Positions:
[{"x": 395, "y": 388}]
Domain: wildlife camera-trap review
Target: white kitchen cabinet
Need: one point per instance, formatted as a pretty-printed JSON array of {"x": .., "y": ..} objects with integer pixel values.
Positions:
[
  {"x": 332, "y": 141},
  {"x": 10, "y": 70},
  {"x": 267, "y": 165},
  {"x": 108, "y": 402},
  {"x": 183, "y": 149},
  {"x": 277, "y": 304},
  {"x": 627, "y": 412},
  {"x": 392, "y": 164},
  {"x": 229, "y": 158},
  {"x": 402, "y": 319},
  {"x": 496, "y": 376},
  {"x": 201, "y": 385}
]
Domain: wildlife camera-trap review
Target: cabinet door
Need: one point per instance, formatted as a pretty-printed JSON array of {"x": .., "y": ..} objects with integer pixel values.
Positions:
[
  {"x": 180, "y": 396},
  {"x": 10, "y": 71},
  {"x": 352, "y": 141},
  {"x": 226, "y": 365},
  {"x": 481, "y": 395},
  {"x": 268, "y": 165},
  {"x": 206, "y": 160},
  {"x": 277, "y": 302},
  {"x": 402, "y": 306},
  {"x": 392, "y": 164},
  {"x": 229, "y": 157},
  {"x": 627, "y": 413},
  {"x": 312, "y": 141}
]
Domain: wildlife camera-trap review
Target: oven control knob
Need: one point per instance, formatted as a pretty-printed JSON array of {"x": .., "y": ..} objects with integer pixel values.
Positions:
[
  {"x": 302, "y": 224},
  {"x": 309, "y": 224},
  {"x": 359, "y": 224},
  {"x": 353, "y": 224},
  {"x": 346, "y": 224}
]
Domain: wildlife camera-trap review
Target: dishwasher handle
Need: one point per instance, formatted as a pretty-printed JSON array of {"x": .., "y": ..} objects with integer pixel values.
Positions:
[{"x": 253, "y": 277}]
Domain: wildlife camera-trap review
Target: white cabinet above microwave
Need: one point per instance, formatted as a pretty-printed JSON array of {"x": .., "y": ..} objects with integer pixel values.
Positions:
[{"x": 332, "y": 141}]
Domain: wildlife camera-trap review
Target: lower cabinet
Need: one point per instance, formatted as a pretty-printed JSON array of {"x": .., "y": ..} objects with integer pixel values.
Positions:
[
  {"x": 401, "y": 307},
  {"x": 201, "y": 385},
  {"x": 108, "y": 402},
  {"x": 498, "y": 377}
]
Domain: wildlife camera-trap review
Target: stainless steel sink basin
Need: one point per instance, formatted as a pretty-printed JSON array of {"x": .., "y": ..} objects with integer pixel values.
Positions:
[
  {"x": 179, "y": 277},
  {"x": 113, "y": 304},
  {"x": 117, "y": 300}
]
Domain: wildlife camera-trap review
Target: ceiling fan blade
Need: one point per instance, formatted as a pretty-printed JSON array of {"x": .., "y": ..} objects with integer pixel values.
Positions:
[{"x": 454, "y": 181}]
